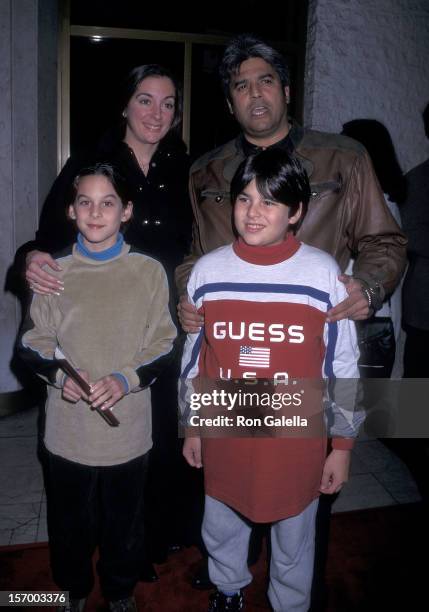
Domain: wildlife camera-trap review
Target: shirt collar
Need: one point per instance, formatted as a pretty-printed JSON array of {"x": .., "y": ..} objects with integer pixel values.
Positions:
[
  {"x": 109, "y": 253},
  {"x": 249, "y": 148},
  {"x": 267, "y": 255}
]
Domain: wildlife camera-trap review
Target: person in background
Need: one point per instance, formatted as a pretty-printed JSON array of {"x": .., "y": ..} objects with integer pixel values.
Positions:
[
  {"x": 347, "y": 214},
  {"x": 379, "y": 335},
  {"x": 150, "y": 155},
  {"x": 415, "y": 315},
  {"x": 415, "y": 216}
]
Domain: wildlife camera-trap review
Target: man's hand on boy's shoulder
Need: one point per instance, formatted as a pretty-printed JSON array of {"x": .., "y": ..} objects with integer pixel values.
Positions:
[
  {"x": 106, "y": 392},
  {"x": 192, "y": 451},
  {"x": 355, "y": 306},
  {"x": 190, "y": 320},
  {"x": 335, "y": 471}
]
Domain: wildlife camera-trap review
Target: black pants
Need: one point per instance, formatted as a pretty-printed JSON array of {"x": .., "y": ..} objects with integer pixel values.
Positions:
[
  {"x": 167, "y": 491},
  {"x": 90, "y": 506},
  {"x": 416, "y": 345}
]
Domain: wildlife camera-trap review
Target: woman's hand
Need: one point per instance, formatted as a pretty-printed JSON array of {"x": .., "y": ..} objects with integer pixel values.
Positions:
[
  {"x": 39, "y": 280},
  {"x": 106, "y": 392}
]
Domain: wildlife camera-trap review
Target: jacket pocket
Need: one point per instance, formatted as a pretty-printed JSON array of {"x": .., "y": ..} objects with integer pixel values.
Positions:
[
  {"x": 218, "y": 196},
  {"x": 319, "y": 190}
]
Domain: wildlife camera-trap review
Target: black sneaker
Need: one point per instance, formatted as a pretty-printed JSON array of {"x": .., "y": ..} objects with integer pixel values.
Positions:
[
  {"x": 219, "y": 602},
  {"x": 74, "y": 605},
  {"x": 123, "y": 605}
]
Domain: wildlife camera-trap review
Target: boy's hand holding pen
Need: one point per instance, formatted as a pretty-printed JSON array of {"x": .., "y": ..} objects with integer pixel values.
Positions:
[
  {"x": 72, "y": 392},
  {"x": 106, "y": 392},
  {"x": 101, "y": 395}
]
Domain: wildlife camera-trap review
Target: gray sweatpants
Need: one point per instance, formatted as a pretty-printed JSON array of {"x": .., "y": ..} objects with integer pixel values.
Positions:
[{"x": 226, "y": 534}]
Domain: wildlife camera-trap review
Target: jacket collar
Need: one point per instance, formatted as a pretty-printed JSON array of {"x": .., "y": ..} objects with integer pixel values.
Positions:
[
  {"x": 235, "y": 156},
  {"x": 297, "y": 134}
]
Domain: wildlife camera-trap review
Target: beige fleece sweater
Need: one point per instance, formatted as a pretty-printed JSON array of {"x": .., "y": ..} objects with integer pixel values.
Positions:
[{"x": 113, "y": 317}]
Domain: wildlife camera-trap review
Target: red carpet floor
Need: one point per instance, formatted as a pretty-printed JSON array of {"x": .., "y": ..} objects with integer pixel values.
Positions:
[{"x": 377, "y": 561}]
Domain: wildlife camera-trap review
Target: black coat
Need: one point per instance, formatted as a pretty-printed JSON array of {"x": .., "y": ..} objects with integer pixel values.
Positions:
[{"x": 162, "y": 216}]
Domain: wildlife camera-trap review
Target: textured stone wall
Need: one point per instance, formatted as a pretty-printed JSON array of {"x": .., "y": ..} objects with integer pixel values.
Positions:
[
  {"x": 28, "y": 57},
  {"x": 369, "y": 59},
  {"x": 7, "y": 302}
]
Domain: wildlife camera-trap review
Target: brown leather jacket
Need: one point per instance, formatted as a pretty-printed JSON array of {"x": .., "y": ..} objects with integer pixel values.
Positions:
[{"x": 347, "y": 215}]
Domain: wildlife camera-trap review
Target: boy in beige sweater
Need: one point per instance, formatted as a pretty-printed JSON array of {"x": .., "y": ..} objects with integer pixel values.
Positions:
[{"x": 112, "y": 322}]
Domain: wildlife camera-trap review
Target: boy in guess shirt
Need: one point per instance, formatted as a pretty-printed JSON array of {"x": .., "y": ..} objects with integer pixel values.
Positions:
[{"x": 264, "y": 299}]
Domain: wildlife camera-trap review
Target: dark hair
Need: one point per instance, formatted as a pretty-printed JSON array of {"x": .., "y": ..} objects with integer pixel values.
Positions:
[
  {"x": 377, "y": 141},
  {"x": 247, "y": 46},
  {"x": 138, "y": 74},
  {"x": 107, "y": 170},
  {"x": 279, "y": 177}
]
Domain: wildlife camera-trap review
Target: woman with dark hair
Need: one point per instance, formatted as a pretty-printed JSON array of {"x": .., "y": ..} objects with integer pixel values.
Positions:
[{"x": 148, "y": 152}]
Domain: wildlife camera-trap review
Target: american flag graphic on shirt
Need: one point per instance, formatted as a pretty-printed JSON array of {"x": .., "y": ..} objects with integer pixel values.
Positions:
[{"x": 256, "y": 357}]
